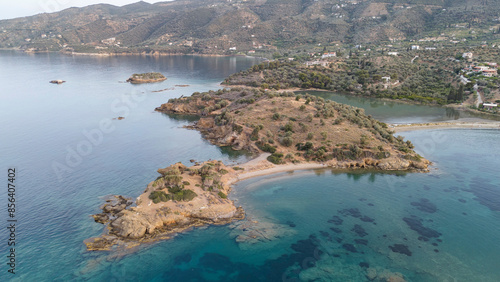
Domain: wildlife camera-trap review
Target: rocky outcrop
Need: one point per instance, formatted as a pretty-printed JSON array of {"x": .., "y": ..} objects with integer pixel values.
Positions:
[
  {"x": 155, "y": 218},
  {"x": 113, "y": 206}
]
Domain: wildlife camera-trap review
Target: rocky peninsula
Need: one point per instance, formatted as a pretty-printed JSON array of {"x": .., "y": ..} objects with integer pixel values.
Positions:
[
  {"x": 150, "y": 77},
  {"x": 297, "y": 129},
  {"x": 288, "y": 131}
]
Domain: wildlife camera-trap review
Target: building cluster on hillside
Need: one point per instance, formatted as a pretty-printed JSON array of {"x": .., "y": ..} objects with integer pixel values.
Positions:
[
  {"x": 321, "y": 59},
  {"x": 486, "y": 69}
]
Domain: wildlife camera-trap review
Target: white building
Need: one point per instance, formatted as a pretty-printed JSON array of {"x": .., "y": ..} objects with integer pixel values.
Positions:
[
  {"x": 329, "y": 55},
  {"x": 467, "y": 55},
  {"x": 490, "y": 105}
]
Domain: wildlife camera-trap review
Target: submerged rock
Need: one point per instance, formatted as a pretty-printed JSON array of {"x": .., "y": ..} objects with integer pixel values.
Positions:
[
  {"x": 367, "y": 219},
  {"x": 336, "y": 220},
  {"x": 354, "y": 212},
  {"x": 350, "y": 248},
  {"x": 359, "y": 230},
  {"x": 425, "y": 205},
  {"x": 416, "y": 225},
  {"x": 336, "y": 230},
  {"x": 361, "y": 241},
  {"x": 400, "y": 248}
]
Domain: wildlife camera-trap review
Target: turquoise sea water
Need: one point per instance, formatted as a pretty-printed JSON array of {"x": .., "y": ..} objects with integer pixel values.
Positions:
[{"x": 319, "y": 225}]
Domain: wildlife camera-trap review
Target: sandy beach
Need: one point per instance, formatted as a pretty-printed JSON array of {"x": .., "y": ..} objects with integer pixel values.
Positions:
[
  {"x": 482, "y": 124},
  {"x": 260, "y": 167}
]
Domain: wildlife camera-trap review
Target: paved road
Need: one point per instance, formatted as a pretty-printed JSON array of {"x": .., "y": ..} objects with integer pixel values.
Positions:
[{"x": 479, "y": 98}]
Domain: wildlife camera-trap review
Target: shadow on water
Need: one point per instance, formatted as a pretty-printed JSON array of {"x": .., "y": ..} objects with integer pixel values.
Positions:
[
  {"x": 228, "y": 151},
  {"x": 372, "y": 175},
  {"x": 452, "y": 113},
  {"x": 181, "y": 118},
  {"x": 235, "y": 155}
]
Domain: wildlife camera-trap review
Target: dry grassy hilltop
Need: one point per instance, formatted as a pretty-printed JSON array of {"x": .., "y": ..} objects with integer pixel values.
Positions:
[{"x": 295, "y": 129}]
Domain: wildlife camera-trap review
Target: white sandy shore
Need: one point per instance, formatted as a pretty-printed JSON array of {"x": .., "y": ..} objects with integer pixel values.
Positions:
[
  {"x": 446, "y": 125},
  {"x": 260, "y": 167}
]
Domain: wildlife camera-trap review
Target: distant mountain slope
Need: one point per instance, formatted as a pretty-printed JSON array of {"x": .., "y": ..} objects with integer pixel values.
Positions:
[{"x": 215, "y": 26}]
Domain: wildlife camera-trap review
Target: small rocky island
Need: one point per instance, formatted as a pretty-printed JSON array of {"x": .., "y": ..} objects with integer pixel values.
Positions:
[
  {"x": 149, "y": 77},
  {"x": 288, "y": 131},
  {"x": 58, "y": 81},
  {"x": 180, "y": 198}
]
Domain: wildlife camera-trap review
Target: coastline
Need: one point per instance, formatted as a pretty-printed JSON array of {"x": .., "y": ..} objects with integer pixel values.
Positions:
[{"x": 259, "y": 166}]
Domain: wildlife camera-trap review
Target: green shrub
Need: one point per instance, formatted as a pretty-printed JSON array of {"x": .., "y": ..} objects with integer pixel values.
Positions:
[
  {"x": 304, "y": 147},
  {"x": 324, "y": 135},
  {"x": 266, "y": 147},
  {"x": 255, "y": 134},
  {"x": 309, "y": 118},
  {"x": 222, "y": 195},
  {"x": 175, "y": 189},
  {"x": 288, "y": 127},
  {"x": 276, "y": 158},
  {"x": 159, "y": 196},
  {"x": 184, "y": 195},
  {"x": 287, "y": 141},
  {"x": 310, "y": 136}
]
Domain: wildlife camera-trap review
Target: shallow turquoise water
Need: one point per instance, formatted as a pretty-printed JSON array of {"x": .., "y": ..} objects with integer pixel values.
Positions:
[{"x": 39, "y": 122}]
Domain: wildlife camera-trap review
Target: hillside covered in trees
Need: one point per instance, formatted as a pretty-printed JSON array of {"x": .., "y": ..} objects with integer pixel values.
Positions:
[
  {"x": 225, "y": 27},
  {"x": 431, "y": 76}
]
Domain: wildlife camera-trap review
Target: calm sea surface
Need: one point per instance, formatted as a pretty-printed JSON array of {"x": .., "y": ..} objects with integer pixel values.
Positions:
[
  {"x": 393, "y": 111},
  {"x": 321, "y": 225}
]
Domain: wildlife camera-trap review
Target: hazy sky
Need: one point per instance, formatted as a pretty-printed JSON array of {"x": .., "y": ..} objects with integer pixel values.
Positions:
[{"x": 21, "y": 8}]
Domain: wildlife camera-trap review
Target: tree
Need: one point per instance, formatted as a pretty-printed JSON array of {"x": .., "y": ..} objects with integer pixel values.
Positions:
[
  {"x": 452, "y": 95},
  {"x": 460, "y": 93}
]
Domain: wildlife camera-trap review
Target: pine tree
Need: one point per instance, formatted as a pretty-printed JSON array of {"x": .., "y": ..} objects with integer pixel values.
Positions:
[
  {"x": 452, "y": 96},
  {"x": 460, "y": 93}
]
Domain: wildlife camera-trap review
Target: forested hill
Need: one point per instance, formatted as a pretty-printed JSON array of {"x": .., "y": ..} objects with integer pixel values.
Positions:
[{"x": 225, "y": 26}]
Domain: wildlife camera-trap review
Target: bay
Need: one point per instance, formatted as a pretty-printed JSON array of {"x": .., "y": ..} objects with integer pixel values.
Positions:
[{"x": 42, "y": 122}]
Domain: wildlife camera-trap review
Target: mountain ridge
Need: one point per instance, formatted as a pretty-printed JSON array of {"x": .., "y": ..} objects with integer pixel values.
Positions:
[{"x": 220, "y": 26}]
